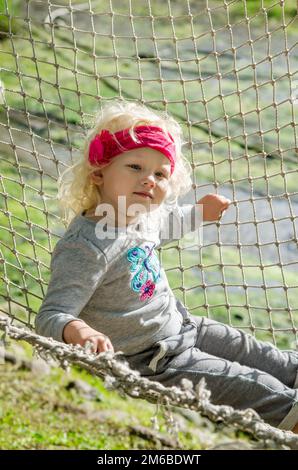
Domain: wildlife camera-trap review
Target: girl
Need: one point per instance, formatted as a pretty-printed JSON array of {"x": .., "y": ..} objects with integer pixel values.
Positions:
[{"x": 107, "y": 286}]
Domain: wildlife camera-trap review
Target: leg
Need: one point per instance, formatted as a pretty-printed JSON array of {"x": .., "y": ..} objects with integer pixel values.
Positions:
[
  {"x": 233, "y": 384},
  {"x": 221, "y": 340}
]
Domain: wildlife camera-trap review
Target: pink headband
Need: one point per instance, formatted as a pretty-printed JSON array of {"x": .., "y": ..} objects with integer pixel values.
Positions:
[{"x": 106, "y": 146}]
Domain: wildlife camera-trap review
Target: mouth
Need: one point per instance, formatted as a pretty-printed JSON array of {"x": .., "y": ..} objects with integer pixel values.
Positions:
[{"x": 146, "y": 195}]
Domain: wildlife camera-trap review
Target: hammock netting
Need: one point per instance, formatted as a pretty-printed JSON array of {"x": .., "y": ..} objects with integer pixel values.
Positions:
[{"x": 227, "y": 71}]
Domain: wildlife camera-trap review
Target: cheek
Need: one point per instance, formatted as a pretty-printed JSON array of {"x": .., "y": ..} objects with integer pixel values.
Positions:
[
  {"x": 163, "y": 186},
  {"x": 121, "y": 186}
]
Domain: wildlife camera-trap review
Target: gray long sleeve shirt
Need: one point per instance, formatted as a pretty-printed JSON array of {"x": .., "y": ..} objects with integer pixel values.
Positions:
[{"x": 112, "y": 280}]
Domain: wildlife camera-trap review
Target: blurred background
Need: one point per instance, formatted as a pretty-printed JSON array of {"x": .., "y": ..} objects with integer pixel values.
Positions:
[{"x": 227, "y": 71}]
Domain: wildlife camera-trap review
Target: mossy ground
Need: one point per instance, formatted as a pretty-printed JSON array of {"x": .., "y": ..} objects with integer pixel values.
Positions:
[{"x": 39, "y": 411}]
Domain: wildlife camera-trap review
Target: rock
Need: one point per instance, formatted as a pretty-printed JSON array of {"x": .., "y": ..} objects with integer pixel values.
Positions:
[{"x": 84, "y": 390}]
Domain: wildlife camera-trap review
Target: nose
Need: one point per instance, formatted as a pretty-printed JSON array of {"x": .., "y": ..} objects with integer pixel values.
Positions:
[{"x": 149, "y": 181}]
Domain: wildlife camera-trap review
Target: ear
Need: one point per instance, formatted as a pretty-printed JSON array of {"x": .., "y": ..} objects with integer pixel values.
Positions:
[{"x": 97, "y": 177}]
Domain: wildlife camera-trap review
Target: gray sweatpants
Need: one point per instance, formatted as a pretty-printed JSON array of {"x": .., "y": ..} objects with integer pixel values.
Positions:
[{"x": 239, "y": 370}]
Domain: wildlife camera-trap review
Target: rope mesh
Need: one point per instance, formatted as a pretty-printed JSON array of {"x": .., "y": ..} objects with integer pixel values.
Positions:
[{"x": 227, "y": 70}]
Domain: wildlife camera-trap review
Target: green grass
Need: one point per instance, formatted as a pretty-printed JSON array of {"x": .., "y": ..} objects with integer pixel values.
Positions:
[
  {"x": 274, "y": 9},
  {"x": 38, "y": 412},
  {"x": 28, "y": 278},
  {"x": 9, "y": 10},
  {"x": 232, "y": 303}
]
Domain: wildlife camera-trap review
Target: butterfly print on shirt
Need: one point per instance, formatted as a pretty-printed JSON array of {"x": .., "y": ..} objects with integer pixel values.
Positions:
[{"x": 145, "y": 265}]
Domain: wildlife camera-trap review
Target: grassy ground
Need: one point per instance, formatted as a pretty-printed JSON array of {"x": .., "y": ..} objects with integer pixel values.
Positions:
[{"x": 40, "y": 410}]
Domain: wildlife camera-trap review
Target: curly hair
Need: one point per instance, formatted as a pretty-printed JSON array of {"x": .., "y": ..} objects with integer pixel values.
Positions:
[{"x": 76, "y": 190}]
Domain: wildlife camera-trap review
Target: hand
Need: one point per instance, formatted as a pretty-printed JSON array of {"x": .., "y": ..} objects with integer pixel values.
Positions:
[
  {"x": 214, "y": 206},
  {"x": 78, "y": 332}
]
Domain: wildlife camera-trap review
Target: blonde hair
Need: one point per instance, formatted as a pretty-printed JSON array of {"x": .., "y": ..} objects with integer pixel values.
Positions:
[{"x": 77, "y": 192}]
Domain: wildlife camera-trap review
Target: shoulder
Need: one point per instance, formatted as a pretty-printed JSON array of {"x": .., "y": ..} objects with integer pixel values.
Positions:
[
  {"x": 78, "y": 242},
  {"x": 82, "y": 239}
]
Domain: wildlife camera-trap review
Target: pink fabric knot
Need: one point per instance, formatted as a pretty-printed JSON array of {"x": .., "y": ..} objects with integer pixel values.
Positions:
[
  {"x": 105, "y": 146},
  {"x": 95, "y": 150}
]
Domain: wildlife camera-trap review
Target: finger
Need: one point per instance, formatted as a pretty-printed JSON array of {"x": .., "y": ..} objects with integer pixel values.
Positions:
[
  {"x": 104, "y": 344},
  {"x": 110, "y": 346},
  {"x": 224, "y": 201},
  {"x": 97, "y": 336},
  {"x": 221, "y": 214},
  {"x": 225, "y": 204},
  {"x": 90, "y": 343}
]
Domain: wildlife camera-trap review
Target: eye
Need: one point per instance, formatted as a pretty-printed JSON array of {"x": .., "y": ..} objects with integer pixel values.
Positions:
[{"x": 134, "y": 166}]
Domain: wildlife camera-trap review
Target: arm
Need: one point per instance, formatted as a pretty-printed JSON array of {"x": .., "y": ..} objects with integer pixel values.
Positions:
[
  {"x": 76, "y": 270},
  {"x": 178, "y": 222},
  {"x": 188, "y": 218}
]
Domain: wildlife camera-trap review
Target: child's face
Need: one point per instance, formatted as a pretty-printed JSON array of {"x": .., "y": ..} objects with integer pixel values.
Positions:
[{"x": 136, "y": 171}]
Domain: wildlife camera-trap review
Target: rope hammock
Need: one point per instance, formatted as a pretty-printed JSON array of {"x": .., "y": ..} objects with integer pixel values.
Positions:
[{"x": 226, "y": 71}]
